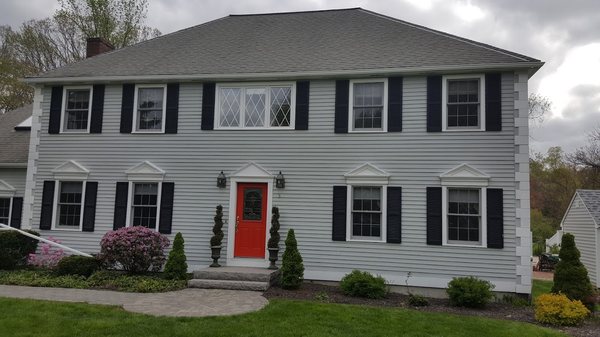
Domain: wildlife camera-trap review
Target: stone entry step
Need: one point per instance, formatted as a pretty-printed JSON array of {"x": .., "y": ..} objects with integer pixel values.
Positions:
[{"x": 235, "y": 278}]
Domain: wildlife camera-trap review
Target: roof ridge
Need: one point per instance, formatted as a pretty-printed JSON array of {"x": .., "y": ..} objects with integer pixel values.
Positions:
[
  {"x": 300, "y": 12},
  {"x": 455, "y": 37}
]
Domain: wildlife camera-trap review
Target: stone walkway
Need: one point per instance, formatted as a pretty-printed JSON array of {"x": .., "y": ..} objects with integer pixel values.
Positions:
[{"x": 186, "y": 302}]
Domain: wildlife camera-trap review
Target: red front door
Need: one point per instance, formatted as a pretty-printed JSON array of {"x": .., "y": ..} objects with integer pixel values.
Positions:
[{"x": 251, "y": 220}]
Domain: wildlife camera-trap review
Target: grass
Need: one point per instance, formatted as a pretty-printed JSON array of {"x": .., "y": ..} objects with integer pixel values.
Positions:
[
  {"x": 540, "y": 287},
  {"x": 280, "y": 318}
]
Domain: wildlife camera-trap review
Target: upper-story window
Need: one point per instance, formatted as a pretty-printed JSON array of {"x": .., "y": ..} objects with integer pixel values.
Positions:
[
  {"x": 252, "y": 106},
  {"x": 150, "y": 108},
  {"x": 76, "y": 109},
  {"x": 368, "y": 105},
  {"x": 463, "y": 102}
]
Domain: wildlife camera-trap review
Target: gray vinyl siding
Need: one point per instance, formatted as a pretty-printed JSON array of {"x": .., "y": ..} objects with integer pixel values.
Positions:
[
  {"x": 16, "y": 178},
  {"x": 312, "y": 162},
  {"x": 579, "y": 222}
]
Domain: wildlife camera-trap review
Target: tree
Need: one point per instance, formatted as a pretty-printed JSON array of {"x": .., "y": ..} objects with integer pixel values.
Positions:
[
  {"x": 539, "y": 106},
  {"x": 588, "y": 156},
  {"x": 570, "y": 276},
  {"x": 292, "y": 268},
  {"x": 176, "y": 266}
]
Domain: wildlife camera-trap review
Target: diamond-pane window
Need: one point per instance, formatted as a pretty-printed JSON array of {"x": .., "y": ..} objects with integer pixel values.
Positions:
[
  {"x": 281, "y": 101},
  {"x": 230, "y": 107},
  {"x": 255, "y": 107}
]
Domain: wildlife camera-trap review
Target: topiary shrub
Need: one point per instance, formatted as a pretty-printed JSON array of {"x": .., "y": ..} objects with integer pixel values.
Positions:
[
  {"x": 78, "y": 265},
  {"x": 15, "y": 248},
  {"x": 134, "y": 249},
  {"x": 292, "y": 268},
  {"x": 363, "y": 284},
  {"x": 274, "y": 231},
  {"x": 469, "y": 292},
  {"x": 217, "y": 237},
  {"x": 176, "y": 266},
  {"x": 570, "y": 276},
  {"x": 558, "y": 309}
]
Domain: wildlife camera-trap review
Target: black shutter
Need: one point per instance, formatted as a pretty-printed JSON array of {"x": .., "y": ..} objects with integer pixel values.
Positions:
[
  {"x": 16, "y": 212},
  {"x": 172, "y": 108},
  {"x": 395, "y": 104},
  {"x": 127, "y": 107},
  {"x": 120, "y": 217},
  {"x": 342, "y": 92},
  {"x": 166, "y": 208},
  {"x": 97, "y": 109},
  {"x": 434, "y": 103},
  {"x": 495, "y": 218},
  {"x": 493, "y": 102},
  {"x": 208, "y": 106},
  {"x": 339, "y": 213},
  {"x": 394, "y": 214},
  {"x": 434, "y": 216},
  {"x": 55, "y": 108},
  {"x": 302, "y": 94},
  {"x": 47, "y": 205},
  {"x": 89, "y": 208}
]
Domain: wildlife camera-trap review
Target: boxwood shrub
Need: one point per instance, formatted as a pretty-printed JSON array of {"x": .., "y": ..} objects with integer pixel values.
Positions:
[
  {"x": 363, "y": 284},
  {"x": 469, "y": 292},
  {"x": 15, "y": 247},
  {"x": 78, "y": 265}
]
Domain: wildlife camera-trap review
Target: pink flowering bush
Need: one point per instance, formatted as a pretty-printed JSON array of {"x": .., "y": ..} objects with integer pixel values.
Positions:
[
  {"x": 48, "y": 257},
  {"x": 135, "y": 249}
]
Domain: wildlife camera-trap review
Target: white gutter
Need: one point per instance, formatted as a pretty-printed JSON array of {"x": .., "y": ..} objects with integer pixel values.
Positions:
[
  {"x": 533, "y": 66},
  {"x": 39, "y": 238}
]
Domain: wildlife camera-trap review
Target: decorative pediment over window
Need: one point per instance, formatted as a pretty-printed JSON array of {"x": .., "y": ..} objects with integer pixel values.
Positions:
[
  {"x": 464, "y": 175},
  {"x": 6, "y": 190},
  {"x": 70, "y": 170},
  {"x": 367, "y": 174},
  {"x": 145, "y": 171},
  {"x": 252, "y": 170}
]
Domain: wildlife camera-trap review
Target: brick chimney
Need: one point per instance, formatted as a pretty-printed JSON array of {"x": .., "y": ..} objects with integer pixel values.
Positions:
[{"x": 96, "y": 46}]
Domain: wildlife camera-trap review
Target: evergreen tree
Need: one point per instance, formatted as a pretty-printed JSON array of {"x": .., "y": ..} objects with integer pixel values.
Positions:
[
  {"x": 176, "y": 267},
  {"x": 217, "y": 238},
  {"x": 571, "y": 277},
  {"x": 292, "y": 268}
]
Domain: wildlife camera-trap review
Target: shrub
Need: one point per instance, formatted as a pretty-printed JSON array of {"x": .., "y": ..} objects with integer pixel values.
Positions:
[
  {"x": 363, "y": 284},
  {"x": 274, "y": 231},
  {"x": 469, "y": 292},
  {"x": 292, "y": 268},
  {"x": 15, "y": 248},
  {"x": 555, "y": 249},
  {"x": 176, "y": 266},
  {"x": 538, "y": 248},
  {"x": 78, "y": 265},
  {"x": 217, "y": 237},
  {"x": 570, "y": 276},
  {"x": 48, "y": 257},
  {"x": 417, "y": 300},
  {"x": 135, "y": 249},
  {"x": 515, "y": 301},
  {"x": 322, "y": 296},
  {"x": 558, "y": 309}
]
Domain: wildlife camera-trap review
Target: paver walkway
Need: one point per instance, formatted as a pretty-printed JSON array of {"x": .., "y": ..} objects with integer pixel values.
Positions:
[{"x": 186, "y": 302}]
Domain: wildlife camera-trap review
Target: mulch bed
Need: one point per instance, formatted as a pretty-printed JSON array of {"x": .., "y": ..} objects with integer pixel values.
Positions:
[{"x": 316, "y": 292}]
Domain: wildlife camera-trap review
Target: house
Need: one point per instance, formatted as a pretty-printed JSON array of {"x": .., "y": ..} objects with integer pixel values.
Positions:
[
  {"x": 582, "y": 219},
  {"x": 404, "y": 150},
  {"x": 15, "y": 126}
]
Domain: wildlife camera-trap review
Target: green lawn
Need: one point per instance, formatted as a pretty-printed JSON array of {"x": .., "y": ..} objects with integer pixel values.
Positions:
[
  {"x": 540, "y": 287},
  {"x": 279, "y": 318}
]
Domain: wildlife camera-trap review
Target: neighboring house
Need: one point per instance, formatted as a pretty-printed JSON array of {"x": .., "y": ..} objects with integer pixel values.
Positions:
[
  {"x": 582, "y": 219},
  {"x": 403, "y": 149},
  {"x": 15, "y": 126}
]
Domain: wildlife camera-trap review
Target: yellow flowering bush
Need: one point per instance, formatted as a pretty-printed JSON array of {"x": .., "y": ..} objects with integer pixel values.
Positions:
[{"x": 558, "y": 309}]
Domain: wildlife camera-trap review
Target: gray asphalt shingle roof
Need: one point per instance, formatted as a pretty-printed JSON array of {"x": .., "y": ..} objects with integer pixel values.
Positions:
[
  {"x": 591, "y": 199},
  {"x": 15, "y": 143},
  {"x": 331, "y": 40}
]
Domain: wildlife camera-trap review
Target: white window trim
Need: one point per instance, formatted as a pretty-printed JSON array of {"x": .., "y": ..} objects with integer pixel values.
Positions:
[
  {"x": 245, "y": 85},
  {"x": 483, "y": 214},
  {"x": 384, "y": 113},
  {"x": 350, "y": 194},
  {"x": 64, "y": 105},
  {"x": 129, "y": 218},
  {"x": 10, "y": 206},
  {"x": 481, "y": 78},
  {"x": 55, "y": 214},
  {"x": 136, "y": 126}
]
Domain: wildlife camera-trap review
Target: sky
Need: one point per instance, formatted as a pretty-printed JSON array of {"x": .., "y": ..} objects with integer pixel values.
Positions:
[{"x": 563, "y": 34}]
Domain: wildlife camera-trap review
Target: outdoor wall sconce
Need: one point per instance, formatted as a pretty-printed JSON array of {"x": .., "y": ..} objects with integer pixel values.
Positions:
[
  {"x": 221, "y": 180},
  {"x": 280, "y": 180}
]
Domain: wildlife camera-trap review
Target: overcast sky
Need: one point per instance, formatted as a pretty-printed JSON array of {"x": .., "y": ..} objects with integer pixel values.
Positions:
[{"x": 564, "y": 34}]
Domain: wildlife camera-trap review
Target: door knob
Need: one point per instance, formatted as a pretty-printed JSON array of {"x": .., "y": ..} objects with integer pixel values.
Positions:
[{"x": 237, "y": 222}]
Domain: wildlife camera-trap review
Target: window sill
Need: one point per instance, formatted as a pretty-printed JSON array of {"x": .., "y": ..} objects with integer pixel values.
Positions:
[
  {"x": 66, "y": 229},
  {"x": 256, "y": 129},
  {"x": 148, "y": 132},
  {"x": 463, "y": 130},
  {"x": 82, "y": 132},
  {"x": 367, "y": 131},
  {"x": 464, "y": 245},
  {"x": 367, "y": 241}
]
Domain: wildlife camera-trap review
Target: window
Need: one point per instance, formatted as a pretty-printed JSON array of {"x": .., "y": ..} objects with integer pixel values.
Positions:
[
  {"x": 366, "y": 212},
  {"x": 464, "y": 215},
  {"x": 252, "y": 106},
  {"x": 150, "y": 108},
  {"x": 5, "y": 211},
  {"x": 76, "y": 109},
  {"x": 69, "y": 205},
  {"x": 144, "y": 205},
  {"x": 463, "y": 106},
  {"x": 368, "y": 105}
]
